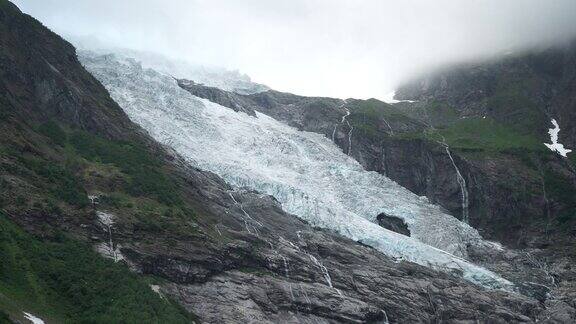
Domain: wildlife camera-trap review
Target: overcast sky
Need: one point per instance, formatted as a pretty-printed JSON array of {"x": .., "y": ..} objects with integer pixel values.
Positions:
[{"x": 338, "y": 48}]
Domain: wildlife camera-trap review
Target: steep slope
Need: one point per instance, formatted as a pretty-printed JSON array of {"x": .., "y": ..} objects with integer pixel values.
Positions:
[
  {"x": 304, "y": 171},
  {"x": 54, "y": 273},
  {"x": 496, "y": 115},
  {"x": 215, "y": 138},
  {"x": 517, "y": 191}
]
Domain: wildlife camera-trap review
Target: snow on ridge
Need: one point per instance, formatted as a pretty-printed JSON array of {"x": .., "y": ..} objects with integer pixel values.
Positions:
[
  {"x": 33, "y": 319},
  {"x": 306, "y": 172},
  {"x": 389, "y": 98},
  {"x": 555, "y": 146},
  {"x": 229, "y": 80}
]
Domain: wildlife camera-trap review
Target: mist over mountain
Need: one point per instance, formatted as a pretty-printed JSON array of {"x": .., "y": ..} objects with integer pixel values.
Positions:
[{"x": 341, "y": 48}]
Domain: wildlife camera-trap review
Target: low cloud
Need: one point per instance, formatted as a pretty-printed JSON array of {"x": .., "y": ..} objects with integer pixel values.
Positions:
[{"x": 338, "y": 48}]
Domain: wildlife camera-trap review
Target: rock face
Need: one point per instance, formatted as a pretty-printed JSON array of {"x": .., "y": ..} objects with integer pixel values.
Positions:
[
  {"x": 287, "y": 271},
  {"x": 522, "y": 93},
  {"x": 514, "y": 193},
  {"x": 509, "y": 188},
  {"x": 393, "y": 223}
]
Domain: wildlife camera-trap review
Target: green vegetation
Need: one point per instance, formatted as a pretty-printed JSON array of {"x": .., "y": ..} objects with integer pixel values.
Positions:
[
  {"x": 143, "y": 169},
  {"x": 60, "y": 278},
  {"x": 370, "y": 116},
  {"x": 440, "y": 114},
  {"x": 4, "y": 318},
  {"x": 61, "y": 182},
  {"x": 512, "y": 105},
  {"x": 67, "y": 281},
  {"x": 485, "y": 134},
  {"x": 147, "y": 215},
  {"x": 562, "y": 190},
  {"x": 54, "y": 132}
]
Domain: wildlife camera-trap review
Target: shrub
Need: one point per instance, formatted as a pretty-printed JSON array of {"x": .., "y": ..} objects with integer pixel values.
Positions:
[
  {"x": 54, "y": 132},
  {"x": 62, "y": 183},
  {"x": 145, "y": 172},
  {"x": 66, "y": 279}
]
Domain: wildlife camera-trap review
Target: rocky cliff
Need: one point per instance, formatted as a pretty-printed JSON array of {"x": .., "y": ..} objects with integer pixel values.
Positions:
[{"x": 518, "y": 192}]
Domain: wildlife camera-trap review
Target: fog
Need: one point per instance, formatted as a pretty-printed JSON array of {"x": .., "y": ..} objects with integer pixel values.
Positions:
[{"x": 338, "y": 48}]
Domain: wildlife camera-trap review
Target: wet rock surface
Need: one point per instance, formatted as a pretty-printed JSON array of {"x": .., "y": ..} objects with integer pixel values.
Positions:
[
  {"x": 291, "y": 272},
  {"x": 393, "y": 223},
  {"x": 499, "y": 207}
]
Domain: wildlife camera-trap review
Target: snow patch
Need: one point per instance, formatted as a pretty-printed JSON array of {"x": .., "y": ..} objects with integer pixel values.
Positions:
[
  {"x": 555, "y": 146},
  {"x": 156, "y": 289},
  {"x": 33, "y": 319},
  {"x": 389, "y": 98}
]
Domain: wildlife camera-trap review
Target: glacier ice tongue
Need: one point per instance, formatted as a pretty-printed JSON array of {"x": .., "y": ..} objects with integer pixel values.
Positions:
[{"x": 306, "y": 172}]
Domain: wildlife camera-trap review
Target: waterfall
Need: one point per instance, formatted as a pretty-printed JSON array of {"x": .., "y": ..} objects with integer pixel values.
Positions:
[
  {"x": 385, "y": 321},
  {"x": 323, "y": 270},
  {"x": 389, "y": 127},
  {"x": 351, "y": 128},
  {"x": 325, "y": 273},
  {"x": 462, "y": 182},
  {"x": 107, "y": 220},
  {"x": 350, "y": 138},
  {"x": 350, "y": 131},
  {"x": 334, "y": 133},
  {"x": 248, "y": 220}
]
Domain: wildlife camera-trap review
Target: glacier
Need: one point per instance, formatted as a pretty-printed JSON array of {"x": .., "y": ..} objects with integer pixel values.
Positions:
[
  {"x": 306, "y": 172},
  {"x": 213, "y": 76}
]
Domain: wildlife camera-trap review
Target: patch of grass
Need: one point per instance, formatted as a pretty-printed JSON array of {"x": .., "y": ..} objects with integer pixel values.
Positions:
[
  {"x": 560, "y": 189},
  {"x": 61, "y": 183},
  {"x": 65, "y": 279},
  {"x": 512, "y": 104},
  {"x": 150, "y": 216},
  {"x": 440, "y": 114},
  {"x": 143, "y": 169},
  {"x": 485, "y": 134},
  {"x": 53, "y": 131},
  {"x": 370, "y": 116}
]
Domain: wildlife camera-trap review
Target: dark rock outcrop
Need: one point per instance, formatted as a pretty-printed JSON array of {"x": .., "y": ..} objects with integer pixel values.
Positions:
[{"x": 393, "y": 223}]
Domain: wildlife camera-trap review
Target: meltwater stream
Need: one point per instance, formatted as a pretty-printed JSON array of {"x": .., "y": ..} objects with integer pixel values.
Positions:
[{"x": 306, "y": 172}]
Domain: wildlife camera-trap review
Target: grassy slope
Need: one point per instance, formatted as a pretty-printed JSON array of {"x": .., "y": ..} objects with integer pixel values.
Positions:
[
  {"x": 64, "y": 280},
  {"x": 59, "y": 277},
  {"x": 370, "y": 116}
]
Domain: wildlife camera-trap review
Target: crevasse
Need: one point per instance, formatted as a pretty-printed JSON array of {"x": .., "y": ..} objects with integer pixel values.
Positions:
[{"x": 306, "y": 172}]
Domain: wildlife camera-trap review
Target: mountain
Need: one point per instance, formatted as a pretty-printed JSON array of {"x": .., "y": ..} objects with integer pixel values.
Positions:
[
  {"x": 111, "y": 216},
  {"x": 497, "y": 116},
  {"x": 209, "y": 75},
  {"x": 518, "y": 191},
  {"x": 505, "y": 170}
]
